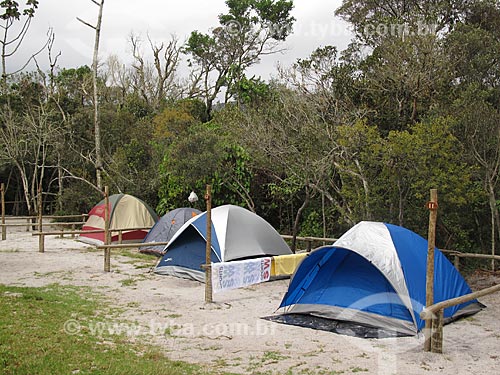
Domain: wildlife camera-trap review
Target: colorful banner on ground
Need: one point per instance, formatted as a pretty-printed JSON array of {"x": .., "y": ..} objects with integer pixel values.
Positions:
[{"x": 237, "y": 274}]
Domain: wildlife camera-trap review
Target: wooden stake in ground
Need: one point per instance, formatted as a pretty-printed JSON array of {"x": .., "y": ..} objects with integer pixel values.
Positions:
[
  {"x": 41, "y": 239},
  {"x": 432, "y": 205},
  {"x": 208, "y": 269},
  {"x": 4, "y": 228},
  {"x": 107, "y": 251}
]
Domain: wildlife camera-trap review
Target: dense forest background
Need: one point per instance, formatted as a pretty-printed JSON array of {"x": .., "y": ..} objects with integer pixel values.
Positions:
[{"x": 341, "y": 136}]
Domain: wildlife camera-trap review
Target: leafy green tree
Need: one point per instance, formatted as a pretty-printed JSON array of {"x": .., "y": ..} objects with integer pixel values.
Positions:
[
  {"x": 403, "y": 79},
  {"x": 250, "y": 91},
  {"x": 73, "y": 88},
  {"x": 200, "y": 156},
  {"x": 289, "y": 144},
  {"x": 426, "y": 156},
  {"x": 474, "y": 101},
  {"x": 479, "y": 130},
  {"x": 356, "y": 155},
  {"x": 474, "y": 48},
  {"x": 249, "y": 30},
  {"x": 373, "y": 20},
  {"x": 330, "y": 84}
]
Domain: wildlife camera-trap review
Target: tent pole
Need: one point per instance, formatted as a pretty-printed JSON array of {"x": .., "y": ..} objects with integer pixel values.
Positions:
[
  {"x": 208, "y": 267},
  {"x": 432, "y": 205}
]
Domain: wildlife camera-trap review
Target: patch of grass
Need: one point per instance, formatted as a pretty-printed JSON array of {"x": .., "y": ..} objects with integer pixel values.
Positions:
[
  {"x": 267, "y": 358},
  {"x": 171, "y": 331},
  {"x": 211, "y": 347},
  {"x": 133, "y": 304},
  {"x": 173, "y": 316},
  {"x": 135, "y": 254},
  {"x": 314, "y": 353},
  {"x": 140, "y": 266},
  {"x": 128, "y": 282},
  {"x": 35, "y": 337},
  {"x": 221, "y": 362},
  {"x": 273, "y": 356},
  {"x": 61, "y": 275},
  {"x": 139, "y": 260},
  {"x": 314, "y": 372},
  {"x": 359, "y": 369}
]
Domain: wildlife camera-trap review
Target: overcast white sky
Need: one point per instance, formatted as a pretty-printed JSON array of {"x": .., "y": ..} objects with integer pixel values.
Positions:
[{"x": 315, "y": 26}]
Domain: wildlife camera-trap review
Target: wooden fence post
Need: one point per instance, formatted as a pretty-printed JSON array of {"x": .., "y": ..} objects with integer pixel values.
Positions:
[
  {"x": 456, "y": 262},
  {"x": 309, "y": 245},
  {"x": 4, "y": 228},
  {"x": 436, "y": 314},
  {"x": 208, "y": 249},
  {"x": 41, "y": 239},
  {"x": 437, "y": 332},
  {"x": 432, "y": 205},
  {"x": 107, "y": 251}
]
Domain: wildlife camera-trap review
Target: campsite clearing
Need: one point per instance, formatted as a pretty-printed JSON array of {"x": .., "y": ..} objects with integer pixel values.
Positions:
[{"x": 230, "y": 335}]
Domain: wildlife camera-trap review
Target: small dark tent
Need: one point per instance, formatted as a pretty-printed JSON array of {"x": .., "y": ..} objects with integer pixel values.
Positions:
[
  {"x": 166, "y": 227},
  {"x": 371, "y": 282}
]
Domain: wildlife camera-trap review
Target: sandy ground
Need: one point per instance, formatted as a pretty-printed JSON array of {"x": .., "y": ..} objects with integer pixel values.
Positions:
[{"x": 230, "y": 334}]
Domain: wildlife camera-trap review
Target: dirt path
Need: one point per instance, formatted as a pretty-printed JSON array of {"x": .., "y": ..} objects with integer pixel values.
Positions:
[{"x": 230, "y": 334}]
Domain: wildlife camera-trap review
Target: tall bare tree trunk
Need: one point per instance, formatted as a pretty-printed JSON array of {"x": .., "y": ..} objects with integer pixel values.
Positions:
[
  {"x": 97, "y": 125},
  {"x": 95, "y": 62}
]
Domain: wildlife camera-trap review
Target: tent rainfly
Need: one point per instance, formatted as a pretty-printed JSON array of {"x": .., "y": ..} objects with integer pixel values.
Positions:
[
  {"x": 371, "y": 283},
  {"x": 166, "y": 227},
  {"x": 125, "y": 212},
  {"x": 237, "y": 234}
]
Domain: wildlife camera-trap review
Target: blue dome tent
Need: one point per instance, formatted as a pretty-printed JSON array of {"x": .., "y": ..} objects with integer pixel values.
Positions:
[
  {"x": 371, "y": 282},
  {"x": 236, "y": 234}
]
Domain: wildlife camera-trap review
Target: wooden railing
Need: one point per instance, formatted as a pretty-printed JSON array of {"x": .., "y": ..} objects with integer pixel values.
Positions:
[
  {"x": 33, "y": 222},
  {"x": 41, "y": 242},
  {"x": 457, "y": 255},
  {"x": 310, "y": 240},
  {"x": 107, "y": 250},
  {"x": 435, "y": 313}
]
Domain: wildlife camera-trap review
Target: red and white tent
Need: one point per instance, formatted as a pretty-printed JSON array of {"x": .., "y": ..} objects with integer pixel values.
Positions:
[{"x": 125, "y": 212}]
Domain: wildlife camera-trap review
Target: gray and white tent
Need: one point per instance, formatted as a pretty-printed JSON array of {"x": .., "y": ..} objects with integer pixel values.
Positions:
[
  {"x": 166, "y": 227},
  {"x": 237, "y": 234}
]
